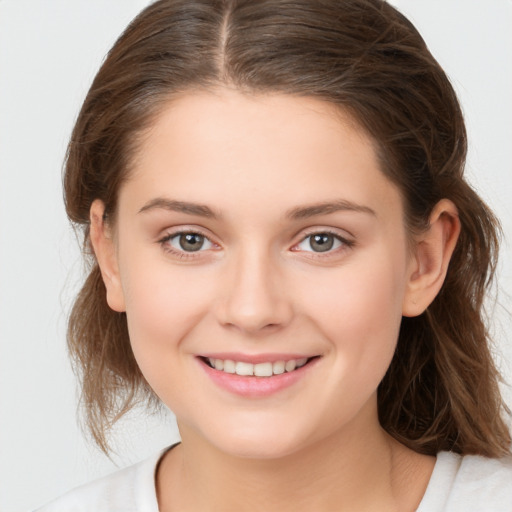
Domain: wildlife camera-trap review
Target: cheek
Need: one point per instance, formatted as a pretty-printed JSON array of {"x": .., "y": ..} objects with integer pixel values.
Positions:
[
  {"x": 358, "y": 308},
  {"x": 163, "y": 303}
]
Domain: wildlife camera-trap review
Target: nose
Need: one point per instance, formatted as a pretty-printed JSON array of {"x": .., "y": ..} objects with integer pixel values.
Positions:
[{"x": 255, "y": 299}]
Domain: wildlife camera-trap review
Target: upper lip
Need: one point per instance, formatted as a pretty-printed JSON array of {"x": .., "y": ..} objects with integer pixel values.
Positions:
[{"x": 256, "y": 358}]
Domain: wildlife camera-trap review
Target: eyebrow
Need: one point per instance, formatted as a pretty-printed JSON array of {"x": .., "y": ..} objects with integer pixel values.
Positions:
[
  {"x": 297, "y": 213},
  {"x": 179, "y": 206},
  {"x": 304, "y": 212}
]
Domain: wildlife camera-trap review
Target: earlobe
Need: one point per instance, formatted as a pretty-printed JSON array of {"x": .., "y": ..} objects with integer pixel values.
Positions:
[
  {"x": 105, "y": 252},
  {"x": 432, "y": 254}
]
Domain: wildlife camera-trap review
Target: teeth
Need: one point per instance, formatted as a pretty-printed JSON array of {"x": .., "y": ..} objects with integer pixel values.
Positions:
[
  {"x": 259, "y": 369},
  {"x": 244, "y": 368},
  {"x": 229, "y": 366},
  {"x": 263, "y": 369},
  {"x": 278, "y": 367},
  {"x": 290, "y": 365}
]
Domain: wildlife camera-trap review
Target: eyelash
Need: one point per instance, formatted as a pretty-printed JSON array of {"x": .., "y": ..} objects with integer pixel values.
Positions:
[
  {"x": 344, "y": 243},
  {"x": 182, "y": 254}
]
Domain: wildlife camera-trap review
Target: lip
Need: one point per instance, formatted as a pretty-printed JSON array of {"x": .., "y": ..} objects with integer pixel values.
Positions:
[
  {"x": 255, "y": 387},
  {"x": 255, "y": 358}
]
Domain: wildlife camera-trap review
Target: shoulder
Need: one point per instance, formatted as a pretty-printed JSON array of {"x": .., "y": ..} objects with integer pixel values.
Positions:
[
  {"x": 469, "y": 483},
  {"x": 486, "y": 481},
  {"x": 128, "y": 490}
]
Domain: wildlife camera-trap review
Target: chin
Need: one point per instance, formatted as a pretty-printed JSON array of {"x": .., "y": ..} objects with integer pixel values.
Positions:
[{"x": 259, "y": 442}]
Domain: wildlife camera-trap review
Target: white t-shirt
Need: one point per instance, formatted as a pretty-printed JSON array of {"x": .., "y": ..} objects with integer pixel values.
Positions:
[{"x": 457, "y": 484}]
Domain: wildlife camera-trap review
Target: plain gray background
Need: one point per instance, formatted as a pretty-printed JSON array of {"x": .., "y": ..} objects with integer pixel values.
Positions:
[{"x": 49, "y": 52}]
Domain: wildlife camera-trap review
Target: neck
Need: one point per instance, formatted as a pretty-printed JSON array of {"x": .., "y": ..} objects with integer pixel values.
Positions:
[{"x": 358, "y": 469}]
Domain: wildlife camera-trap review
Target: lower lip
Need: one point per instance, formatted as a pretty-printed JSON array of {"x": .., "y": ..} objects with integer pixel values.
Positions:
[{"x": 256, "y": 387}]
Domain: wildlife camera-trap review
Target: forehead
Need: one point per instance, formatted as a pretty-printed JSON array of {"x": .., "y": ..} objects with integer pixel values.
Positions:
[{"x": 224, "y": 145}]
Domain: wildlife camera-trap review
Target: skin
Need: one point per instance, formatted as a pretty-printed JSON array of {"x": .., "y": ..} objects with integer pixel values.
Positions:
[{"x": 257, "y": 286}]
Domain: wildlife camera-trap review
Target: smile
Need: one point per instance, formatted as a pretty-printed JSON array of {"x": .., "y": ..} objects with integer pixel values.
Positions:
[
  {"x": 256, "y": 376},
  {"x": 264, "y": 369}
]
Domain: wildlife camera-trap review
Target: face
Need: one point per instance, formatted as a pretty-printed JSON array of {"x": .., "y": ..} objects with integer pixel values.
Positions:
[{"x": 257, "y": 235}]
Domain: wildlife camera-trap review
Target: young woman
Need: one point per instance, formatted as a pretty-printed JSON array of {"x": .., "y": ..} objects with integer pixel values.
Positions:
[{"x": 285, "y": 253}]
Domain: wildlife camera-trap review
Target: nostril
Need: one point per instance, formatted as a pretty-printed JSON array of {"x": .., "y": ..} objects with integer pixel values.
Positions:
[{"x": 253, "y": 299}]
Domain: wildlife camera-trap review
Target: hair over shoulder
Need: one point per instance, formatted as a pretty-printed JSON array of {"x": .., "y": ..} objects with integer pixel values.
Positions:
[{"x": 441, "y": 390}]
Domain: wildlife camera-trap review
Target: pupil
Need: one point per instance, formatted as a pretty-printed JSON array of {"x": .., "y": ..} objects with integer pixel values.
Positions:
[
  {"x": 322, "y": 242},
  {"x": 191, "y": 241}
]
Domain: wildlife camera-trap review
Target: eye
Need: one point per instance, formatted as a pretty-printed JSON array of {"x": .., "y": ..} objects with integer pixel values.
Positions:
[
  {"x": 321, "y": 242},
  {"x": 188, "y": 242}
]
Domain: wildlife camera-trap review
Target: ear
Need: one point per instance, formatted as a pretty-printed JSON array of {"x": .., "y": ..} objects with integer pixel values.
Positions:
[
  {"x": 431, "y": 257},
  {"x": 106, "y": 255}
]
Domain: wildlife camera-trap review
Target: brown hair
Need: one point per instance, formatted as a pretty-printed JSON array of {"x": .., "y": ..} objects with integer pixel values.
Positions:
[{"x": 441, "y": 391}]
